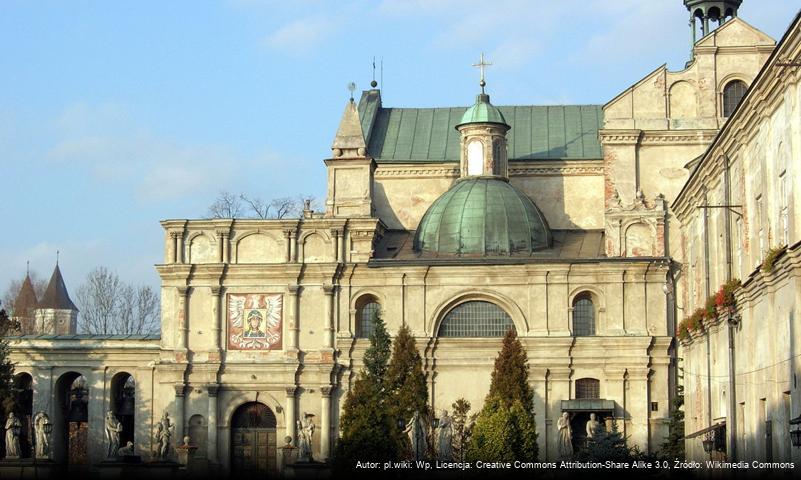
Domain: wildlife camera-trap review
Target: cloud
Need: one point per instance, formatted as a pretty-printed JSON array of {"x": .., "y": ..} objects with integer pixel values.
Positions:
[
  {"x": 301, "y": 36},
  {"x": 116, "y": 149}
]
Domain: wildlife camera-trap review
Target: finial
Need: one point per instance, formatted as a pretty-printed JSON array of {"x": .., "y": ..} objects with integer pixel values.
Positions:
[
  {"x": 57, "y": 254},
  {"x": 481, "y": 64},
  {"x": 373, "y": 83},
  {"x": 351, "y": 88},
  {"x": 28, "y": 268}
]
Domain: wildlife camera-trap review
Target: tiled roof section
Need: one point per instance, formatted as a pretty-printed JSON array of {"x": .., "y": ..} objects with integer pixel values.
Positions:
[
  {"x": 56, "y": 295},
  {"x": 561, "y": 132},
  {"x": 25, "y": 302}
]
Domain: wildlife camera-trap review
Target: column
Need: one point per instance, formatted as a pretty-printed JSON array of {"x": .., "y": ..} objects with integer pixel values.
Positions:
[
  {"x": 222, "y": 246},
  {"x": 212, "y": 389},
  {"x": 558, "y": 388},
  {"x": 183, "y": 319},
  {"x": 176, "y": 246},
  {"x": 291, "y": 418},
  {"x": 216, "y": 299},
  {"x": 637, "y": 404},
  {"x": 180, "y": 390},
  {"x": 293, "y": 316},
  {"x": 335, "y": 234},
  {"x": 293, "y": 246},
  {"x": 328, "y": 341},
  {"x": 287, "y": 236},
  {"x": 325, "y": 423}
]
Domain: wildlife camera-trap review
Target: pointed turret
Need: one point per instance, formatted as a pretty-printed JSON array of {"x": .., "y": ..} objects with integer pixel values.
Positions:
[
  {"x": 25, "y": 306},
  {"x": 350, "y": 168},
  {"x": 56, "y": 313},
  {"x": 349, "y": 140}
]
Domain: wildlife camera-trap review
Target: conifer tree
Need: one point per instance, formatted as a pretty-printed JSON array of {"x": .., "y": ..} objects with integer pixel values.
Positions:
[
  {"x": 673, "y": 448},
  {"x": 7, "y": 327},
  {"x": 405, "y": 383},
  {"x": 505, "y": 428},
  {"x": 368, "y": 432},
  {"x": 606, "y": 445}
]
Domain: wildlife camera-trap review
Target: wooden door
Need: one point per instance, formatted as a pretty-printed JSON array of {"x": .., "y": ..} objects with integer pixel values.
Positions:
[{"x": 253, "y": 450}]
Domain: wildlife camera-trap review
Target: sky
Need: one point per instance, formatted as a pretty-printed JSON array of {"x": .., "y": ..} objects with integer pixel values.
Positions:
[{"x": 116, "y": 115}]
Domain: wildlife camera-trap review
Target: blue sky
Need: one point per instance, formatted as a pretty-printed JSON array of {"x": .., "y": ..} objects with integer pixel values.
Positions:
[{"x": 115, "y": 115}]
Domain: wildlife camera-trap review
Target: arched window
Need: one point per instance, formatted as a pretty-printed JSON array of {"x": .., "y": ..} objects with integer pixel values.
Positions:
[
  {"x": 475, "y": 157},
  {"x": 733, "y": 93},
  {"x": 583, "y": 316},
  {"x": 475, "y": 319},
  {"x": 588, "y": 388},
  {"x": 367, "y": 308}
]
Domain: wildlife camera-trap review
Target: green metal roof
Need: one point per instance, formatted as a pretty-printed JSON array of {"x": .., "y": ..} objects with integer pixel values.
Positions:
[
  {"x": 485, "y": 216},
  {"x": 561, "y": 132},
  {"x": 482, "y": 112}
]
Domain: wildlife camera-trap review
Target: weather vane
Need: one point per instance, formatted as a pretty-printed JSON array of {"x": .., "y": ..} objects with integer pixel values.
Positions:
[
  {"x": 351, "y": 88},
  {"x": 481, "y": 64}
]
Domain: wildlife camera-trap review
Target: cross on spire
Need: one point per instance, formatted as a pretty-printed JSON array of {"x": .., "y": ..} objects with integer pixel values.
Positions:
[{"x": 481, "y": 64}]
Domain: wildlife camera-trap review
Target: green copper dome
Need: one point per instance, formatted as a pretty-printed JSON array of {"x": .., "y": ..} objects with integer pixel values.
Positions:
[
  {"x": 482, "y": 112},
  {"x": 484, "y": 216}
]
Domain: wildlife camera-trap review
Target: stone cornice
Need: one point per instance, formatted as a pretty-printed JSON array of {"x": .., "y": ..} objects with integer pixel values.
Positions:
[
  {"x": 656, "y": 137},
  {"x": 516, "y": 168}
]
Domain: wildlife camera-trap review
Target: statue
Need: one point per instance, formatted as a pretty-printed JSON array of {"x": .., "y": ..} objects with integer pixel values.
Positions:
[
  {"x": 445, "y": 437},
  {"x": 162, "y": 437},
  {"x": 416, "y": 429},
  {"x": 592, "y": 425},
  {"x": 113, "y": 430},
  {"x": 13, "y": 427},
  {"x": 565, "y": 445},
  {"x": 305, "y": 434},
  {"x": 127, "y": 450},
  {"x": 42, "y": 436}
]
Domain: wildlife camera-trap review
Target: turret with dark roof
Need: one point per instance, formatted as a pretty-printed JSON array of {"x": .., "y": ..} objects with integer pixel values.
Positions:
[
  {"x": 26, "y": 301},
  {"x": 56, "y": 296}
]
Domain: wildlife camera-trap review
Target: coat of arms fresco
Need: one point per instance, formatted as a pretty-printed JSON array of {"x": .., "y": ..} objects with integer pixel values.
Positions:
[{"x": 254, "y": 321}]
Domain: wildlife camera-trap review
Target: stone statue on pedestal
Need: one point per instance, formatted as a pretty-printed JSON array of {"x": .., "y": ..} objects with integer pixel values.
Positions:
[
  {"x": 445, "y": 437},
  {"x": 13, "y": 428},
  {"x": 416, "y": 429},
  {"x": 113, "y": 430},
  {"x": 565, "y": 445},
  {"x": 592, "y": 425},
  {"x": 41, "y": 425},
  {"x": 305, "y": 435},
  {"x": 162, "y": 437}
]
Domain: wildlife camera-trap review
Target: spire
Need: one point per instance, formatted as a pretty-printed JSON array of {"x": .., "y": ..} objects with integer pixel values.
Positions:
[
  {"x": 56, "y": 296},
  {"x": 350, "y": 135},
  {"x": 26, "y": 301}
]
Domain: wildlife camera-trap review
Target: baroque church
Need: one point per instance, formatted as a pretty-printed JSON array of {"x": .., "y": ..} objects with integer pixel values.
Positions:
[{"x": 461, "y": 223}]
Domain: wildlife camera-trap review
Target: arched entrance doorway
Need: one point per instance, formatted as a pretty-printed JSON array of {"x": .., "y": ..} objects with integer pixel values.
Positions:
[
  {"x": 71, "y": 417},
  {"x": 253, "y": 439},
  {"x": 123, "y": 404}
]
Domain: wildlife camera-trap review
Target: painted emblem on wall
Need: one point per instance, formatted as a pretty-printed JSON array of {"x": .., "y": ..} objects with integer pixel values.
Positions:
[{"x": 254, "y": 321}]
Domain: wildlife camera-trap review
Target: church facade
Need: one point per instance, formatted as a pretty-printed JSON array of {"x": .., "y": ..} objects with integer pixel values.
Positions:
[{"x": 459, "y": 222}]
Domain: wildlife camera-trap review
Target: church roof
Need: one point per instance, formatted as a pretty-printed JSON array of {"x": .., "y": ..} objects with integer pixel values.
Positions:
[
  {"x": 56, "y": 295},
  {"x": 557, "y": 132},
  {"x": 26, "y": 299},
  {"x": 484, "y": 216}
]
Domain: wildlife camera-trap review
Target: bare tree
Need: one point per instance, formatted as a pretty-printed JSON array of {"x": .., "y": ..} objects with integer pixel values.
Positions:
[
  {"x": 109, "y": 305},
  {"x": 10, "y": 295},
  {"x": 245, "y": 206},
  {"x": 226, "y": 205}
]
